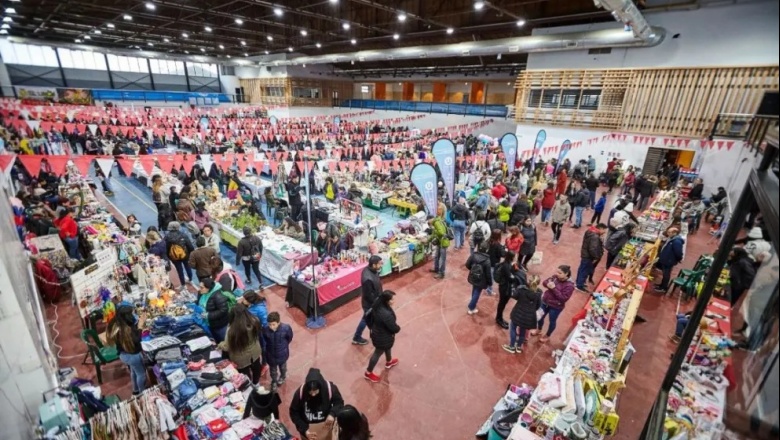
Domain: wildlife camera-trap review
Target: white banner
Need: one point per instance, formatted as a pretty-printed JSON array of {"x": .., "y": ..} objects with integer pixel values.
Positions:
[{"x": 105, "y": 164}]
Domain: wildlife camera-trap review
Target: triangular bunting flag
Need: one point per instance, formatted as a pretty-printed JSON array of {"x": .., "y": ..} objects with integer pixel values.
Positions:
[
  {"x": 32, "y": 163},
  {"x": 93, "y": 128},
  {"x": 105, "y": 164},
  {"x": 274, "y": 166},
  {"x": 58, "y": 164},
  {"x": 241, "y": 164},
  {"x": 127, "y": 165},
  {"x": 259, "y": 165},
  {"x": 33, "y": 125},
  {"x": 206, "y": 161},
  {"x": 82, "y": 163},
  {"x": 6, "y": 160},
  {"x": 729, "y": 145},
  {"x": 166, "y": 162},
  {"x": 178, "y": 160},
  {"x": 147, "y": 163},
  {"x": 188, "y": 161}
]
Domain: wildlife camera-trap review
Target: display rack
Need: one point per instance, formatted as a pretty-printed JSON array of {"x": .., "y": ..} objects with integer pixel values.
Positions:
[{"x": 88, "y": 282}]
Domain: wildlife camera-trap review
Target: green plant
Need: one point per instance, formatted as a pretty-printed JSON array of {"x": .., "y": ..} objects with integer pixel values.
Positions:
[{"x": 245, "y": 218}]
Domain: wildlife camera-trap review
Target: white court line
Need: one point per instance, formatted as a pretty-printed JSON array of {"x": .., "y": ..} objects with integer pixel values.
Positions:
[{"x": 132, "y": 193}]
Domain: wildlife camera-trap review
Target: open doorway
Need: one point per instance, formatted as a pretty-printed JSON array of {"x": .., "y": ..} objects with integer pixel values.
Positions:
[{"x": 658, "y": 157}]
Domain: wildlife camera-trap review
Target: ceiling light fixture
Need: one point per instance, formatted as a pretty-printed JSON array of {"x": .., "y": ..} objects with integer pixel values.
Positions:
[
  {"x": 202, "y": 49},
  {"x": 239, "y": 21},
  {"x": 110, "y": 25},
  {"x": 97, "y": 32},
  {"x": 208, "y": 29},
  {"x": 87, "y": 37},
  {"x": 266, "y": 52},
  {"x": 278, "y": 12},
  {"x": 353, "y": 41},
  {"x": 128, "y": 17},
  {"x": 243, "y": 43},
  {"x": 304, "y": 66},
  {"x": 185, "y": 35},
  {"x": 346, "y": 26},
  {"x": 319, "y": 45},
  {"x": 10, "y": 11},
  {"x": 450, "y": 31},
  {"x": 270, "y": 38},
  {"x": 150, "y": 6},
  {"x": 290, "y": 49},
  {"x": 334, "y": 1},
  {"x": 166, "y": 40},
  {"x": 509, "y": 83},
  {"x": 5, "y": 26},
  {"x": 396, "y": 36},
  {"x": 150, "y": 44},
  {"x": 8, "y": 20},
  {"x": 304, "y": 33},
  {"x": 520, "y": 23},
  {"x": 401, "y": 17},
  {"x": 187, "y": 52},
  {"x": 3, "y": 32},
  {"x": 246, "y": 54},
  {"x": 221, "y": 47},
  {"x": 478, "y": 5},
  {"x": 229, "y": 57}
]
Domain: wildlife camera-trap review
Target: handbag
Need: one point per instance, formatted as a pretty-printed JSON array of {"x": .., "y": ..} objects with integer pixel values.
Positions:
[{"x": 539, "y": 314}]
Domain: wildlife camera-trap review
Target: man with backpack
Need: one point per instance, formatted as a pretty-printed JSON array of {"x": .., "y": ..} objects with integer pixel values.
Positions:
[
  {"x": 441, "y": 235},
  {"x": 249, "y": 252},
  {"x": 479, "y": 275},
  {"x": 178, "y": 248},
  {"x": 479, "y": 232}
]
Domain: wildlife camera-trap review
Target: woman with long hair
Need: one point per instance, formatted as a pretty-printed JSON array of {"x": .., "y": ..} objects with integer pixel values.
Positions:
[
  {"x": 496, "y": 252},
  {"x": 125, "y": 334},
  {"x": 382, "y": 322},
  {"x": 352, "y": 424},
  {"x": 522, "y": 319},
  {"x": 242, "y": 342}
]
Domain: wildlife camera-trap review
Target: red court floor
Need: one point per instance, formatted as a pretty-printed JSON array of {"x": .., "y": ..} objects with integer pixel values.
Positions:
[{"x": 452, "y": 369}]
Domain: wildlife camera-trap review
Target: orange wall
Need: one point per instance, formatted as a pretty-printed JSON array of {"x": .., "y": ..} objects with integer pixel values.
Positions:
[
  {"x": 477, "y": 93},
  {"x": 380, "y": 91},
  {"x": 408, "y": 91},
  {"x": 439, "y": 92}
]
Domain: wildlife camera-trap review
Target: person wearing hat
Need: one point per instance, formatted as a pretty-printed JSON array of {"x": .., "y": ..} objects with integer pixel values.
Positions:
[
  {"x": 125, "y": 334},
  {"x": 249, "y": 252},
  {"x": 178, "y": 248},
  {"x": 371, "y": 286}
]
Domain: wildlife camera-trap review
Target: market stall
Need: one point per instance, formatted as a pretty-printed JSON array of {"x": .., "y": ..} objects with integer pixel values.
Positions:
[
  {"x": 657, "y": 218},
  {"x": 329, "y": 285}
]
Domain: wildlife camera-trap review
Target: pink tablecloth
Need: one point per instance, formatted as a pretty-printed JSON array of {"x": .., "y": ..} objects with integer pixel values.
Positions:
[{"x": 345, "y": 281}]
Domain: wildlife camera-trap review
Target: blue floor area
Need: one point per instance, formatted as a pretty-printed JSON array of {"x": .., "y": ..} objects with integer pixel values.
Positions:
[{"x": 133, "y": 197}]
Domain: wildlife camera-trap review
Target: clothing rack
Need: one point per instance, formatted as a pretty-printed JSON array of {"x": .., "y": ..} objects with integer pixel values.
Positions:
[{"x": 147, "y": 416}]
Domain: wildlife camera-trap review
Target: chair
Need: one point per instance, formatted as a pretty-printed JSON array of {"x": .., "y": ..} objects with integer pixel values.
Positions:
[
  {"x": 687, "y": 284},
  {"x": 99, "y": 354},
  {"x": 703, "y": 263}
]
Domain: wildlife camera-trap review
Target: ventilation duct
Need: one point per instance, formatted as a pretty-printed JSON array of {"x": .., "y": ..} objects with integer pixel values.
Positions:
[
  {"x": 626, "y": 12},
  {"x": 611, "y": 38}
]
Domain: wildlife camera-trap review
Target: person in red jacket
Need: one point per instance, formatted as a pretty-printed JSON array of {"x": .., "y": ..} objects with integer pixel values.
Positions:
[
  {"x": 499, "y": 190},
  {"x": 563, "y": 180},
  {"x": 69, "y": 232},
  {"x": 548, "y": 200}
]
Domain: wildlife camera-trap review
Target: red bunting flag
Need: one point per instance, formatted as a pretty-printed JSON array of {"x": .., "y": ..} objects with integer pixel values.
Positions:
[
  {"x": 147, "y": 163},
  {"x": 188, "y": 161},
  {"x": 273, "y": 165},
  {"x": 729, "y": 145},
  {"x": 178, "y": 160},
  {"x": 5, "y": 161},
  {"x": 32, "y": 163},
  {"x": 166, "y": 162},
  {"x": 126, "y": 164},
  {"x": 58, "y": 164},
  {"x": 82, "y": 163}
]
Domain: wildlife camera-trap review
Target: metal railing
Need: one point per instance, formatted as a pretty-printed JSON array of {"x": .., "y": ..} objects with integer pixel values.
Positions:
[
  {"x": 484, "y": 110},
  {"x": 750, "y": 128},
  {"x": 60, "y": 94}
]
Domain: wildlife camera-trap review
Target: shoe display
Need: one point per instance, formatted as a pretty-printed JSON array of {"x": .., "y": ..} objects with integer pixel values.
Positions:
[
  {"x": 391, "y": 364},
  {"x": 371, "y": 377}
]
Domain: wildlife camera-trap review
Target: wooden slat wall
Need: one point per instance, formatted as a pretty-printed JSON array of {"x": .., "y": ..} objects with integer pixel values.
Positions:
[
  {"x": 256, "y": 89},
  {"x": 676, "y": 102}
]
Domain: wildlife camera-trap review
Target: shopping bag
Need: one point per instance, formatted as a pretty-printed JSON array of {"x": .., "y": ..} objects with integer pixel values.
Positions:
[{"x": 322, "y": 431}]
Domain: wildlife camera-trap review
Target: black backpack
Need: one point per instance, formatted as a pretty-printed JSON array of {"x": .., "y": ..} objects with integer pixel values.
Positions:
[
  {"x": 498, "y": 275},
  {"x": 478, "y": 236},
  {"x": 476, "y": 274}
]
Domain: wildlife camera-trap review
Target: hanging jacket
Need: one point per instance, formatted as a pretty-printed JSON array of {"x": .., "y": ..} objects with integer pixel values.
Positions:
[{"x": 523, "y": 313}]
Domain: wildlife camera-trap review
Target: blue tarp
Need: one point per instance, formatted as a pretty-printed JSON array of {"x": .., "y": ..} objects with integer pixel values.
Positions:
[
  {"x": 143, "y": 95},
  {"x": 428, "y": 107}
]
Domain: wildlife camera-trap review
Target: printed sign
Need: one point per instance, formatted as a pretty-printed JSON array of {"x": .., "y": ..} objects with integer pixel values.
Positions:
[
  {"x": 444, "y": 152},
  {"x": 75, "y": 96},
  {"x": 424, "y": 179},
  {"x": 36, "y": 93},
  {"x": 509, "y": 146},
  {"x": 565, "y": 147}
]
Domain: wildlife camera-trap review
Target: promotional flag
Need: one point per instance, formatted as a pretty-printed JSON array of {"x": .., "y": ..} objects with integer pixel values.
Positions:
[
  {"x": 540, "y": 138},
  {"x": 444, "y": 152},
  {"x": 423, "y": 177},
  {"x": 565, "y": 147},
  {"x": 509, "y": 147}
]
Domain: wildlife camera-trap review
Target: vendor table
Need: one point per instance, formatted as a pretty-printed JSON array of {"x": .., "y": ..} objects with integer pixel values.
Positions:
[
  {"x": 282, "y": 255},
  {"x": 402, "y": 207},
  {"x": 256, "y": 184},
  {"x": 374, "y": 198},
  {"x": 612, "y": 278},
  {"x": 328, "y": 295}
]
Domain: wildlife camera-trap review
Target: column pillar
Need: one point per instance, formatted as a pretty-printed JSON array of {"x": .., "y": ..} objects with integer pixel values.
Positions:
[
  {"x": 408, "y": 91},
  {"x": 380, "y": 91},
  {"x": 477, "y": 95},
  {"x": 439, "y": 92}
]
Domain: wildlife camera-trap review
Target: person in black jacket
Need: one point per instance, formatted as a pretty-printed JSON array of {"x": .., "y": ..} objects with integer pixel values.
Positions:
[
  {"x": 314, "y": 405},
  {"x": 496, "y": 252},
  {"x": 371, "y": 286},
  {"x": 175, "y": 243},
  {"x": 215, "y": 307},
  {"x": 124, "y": 333},
  {"x": 522, "y": 319},
  {"x": 616, "y": 241},
  {"x": 262, "y": 405},
  {"x": 503, "y": 275},
  {"x": 520, "y": 210},
  {"x": 591, "y": 252},
  {"x": 294, "y": 197},
  {"x": 382, "y": 322},
  {"x": 697, "y": 192},
  {"x": 249, "y": 252},
  {"x": 479, "y": 276},
  {"x": 742, "y": 272},
  {"x": 592, "y": 183}
]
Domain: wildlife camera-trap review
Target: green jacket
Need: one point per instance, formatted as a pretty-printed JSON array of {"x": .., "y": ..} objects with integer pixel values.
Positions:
[{"x": 440, "y": 232}]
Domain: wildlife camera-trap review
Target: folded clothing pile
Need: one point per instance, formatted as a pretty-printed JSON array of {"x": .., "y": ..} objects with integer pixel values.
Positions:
[{"x": 163, "y": 348}]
